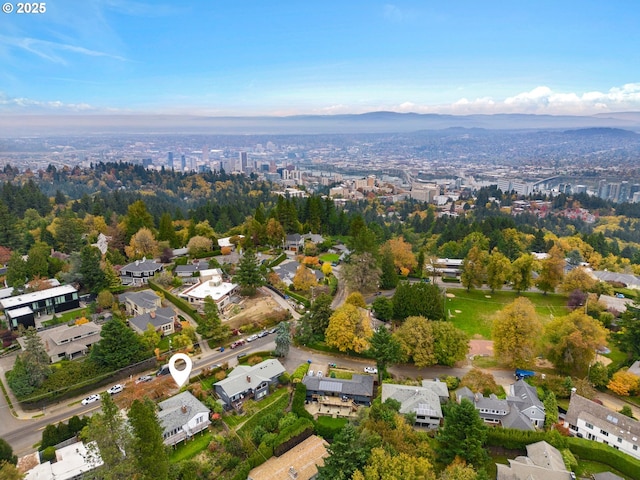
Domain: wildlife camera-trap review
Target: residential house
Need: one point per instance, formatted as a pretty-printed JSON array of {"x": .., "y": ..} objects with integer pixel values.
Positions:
[
  {"x": 226, "y": 242},
  {"x": 439, "y": 388},
  {"x": 587, "y": 419},
  {"x": 248, "y": 382},
  {"x": 543, "y": 462},
  {"x": 446, "y": 267},
  {"x": 359, "y": 389},
  {"x": 162, "y": 319},
  {"x": 68, "y": 342},
  {"x": 626, "y": 279},
  {"x": 294, "y": 242},
  {"x": 210, "y": 285},
  {"x": 22, "y": 309},
  {"x": 299, "y": 463},
  {"x": 287, "y": 270},
  {"x": 143, "y": 301},
  {"x": 139, "y": 272},
  {"x": 525, "y": 398},
  {"x": 190, "y": 273},
  {"x": 496, "y": 411},
  {"x": 422, "y": 401},
  {"x": 314, "y": 238},
  {"x": 181, "y": 417},
  {"x": 73, "y": 462}
]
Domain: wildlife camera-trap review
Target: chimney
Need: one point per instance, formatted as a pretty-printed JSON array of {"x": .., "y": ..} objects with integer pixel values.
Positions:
[
  {"x": 184, "y": 409},
  {"x": 152, "y": 314},
  {"x": 248, "y": 379}
]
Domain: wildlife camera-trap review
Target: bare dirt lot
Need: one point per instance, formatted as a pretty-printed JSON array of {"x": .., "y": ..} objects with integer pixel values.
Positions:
[{"x": 260, "y": 311}]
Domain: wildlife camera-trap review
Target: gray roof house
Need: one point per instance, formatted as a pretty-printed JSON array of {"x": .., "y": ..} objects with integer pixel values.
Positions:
[
  {"x": 421, "y": 400},
  {"x": 630, "y": 281},
  {"x": 496, "y": 411},
  {"x": 543, "y": 462},
  {"x": 188, "y": 272},
  {"x": 181, "y": 417},
  {"x": 587, "y": 419},
  {"x": 244, "y": 382},
  {"x": 286, "y": 271},
  {"x": 139, "y": 272},
  {"x": 525, "y": 398},
  {"x": 359, "y": 388},
  {"x": 65, "y": 342},
  {"x": 294, "y": 242},
  {"x": 162, "y": 319},
  {"x": 137, "y": 303}
]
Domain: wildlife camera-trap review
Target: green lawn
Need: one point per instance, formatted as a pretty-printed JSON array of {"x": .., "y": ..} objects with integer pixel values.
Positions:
[
  {"x": 329, "y": 257},
  {"x": 473, "y": 311},
  {"x": 233, "y": 421},
  {"x": 189, "y": 449},
  {"x": 68, "y": 316}
]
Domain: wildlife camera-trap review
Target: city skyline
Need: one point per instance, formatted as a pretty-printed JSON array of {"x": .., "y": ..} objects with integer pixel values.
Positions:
[{"x": 290, "y": 58}]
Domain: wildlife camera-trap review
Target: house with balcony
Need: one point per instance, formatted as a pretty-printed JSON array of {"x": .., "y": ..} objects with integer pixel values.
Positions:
[
  {"x": 181, "y": 417},
  {"x": 139, "y": 272},
  {"x": 248, "y": 382},
  {"x": 163, "y": 321},
  {"x": 138, "y": 303},
  {"x": 423, "y": 401},
  {"x": 211, "y": 285},
  {"x": 65, "y": 342}
]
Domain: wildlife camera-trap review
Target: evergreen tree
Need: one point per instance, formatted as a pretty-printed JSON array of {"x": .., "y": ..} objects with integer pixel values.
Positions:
[
  {"x": 38, "y": 261},
  {"x": 119, "y": 346},
  {"x": 93, "y": 278},
  {"x": 320, "y": 313},
  {"x": 210, "y": 326},
  {"x": 113, "y": 442},
  {"x": 388, "y": 275},
  {"x": 385, "y": 349},
  {"x": 550, "y": 410},
  {"x": 418, "y": 299},
  {"x": 347, "y": 454},
  {"x": 16, "y": 271},
  {"x": 249, "y": 276},
  {"x": 152, "y": 461},
  {"x": 283, "y": 339},
  {"x": 35, "y": 358},
  {"x": 166, "y": 232},
  {"x": 6, "y": 453},
  {"x": 463, "y": 435}
]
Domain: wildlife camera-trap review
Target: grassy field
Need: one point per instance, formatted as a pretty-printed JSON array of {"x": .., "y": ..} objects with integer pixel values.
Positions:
[
  {"x": 329, "y": 257},
  {"x": 473, "y": 311}
]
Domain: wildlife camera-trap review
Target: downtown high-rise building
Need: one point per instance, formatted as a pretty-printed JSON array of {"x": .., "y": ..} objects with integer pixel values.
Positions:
[{"x": 170, "y": 159}]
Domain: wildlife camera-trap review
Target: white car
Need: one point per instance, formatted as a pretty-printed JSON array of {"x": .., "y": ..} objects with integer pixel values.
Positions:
[
  {"x": 91, "y": 399},
  {"x": 117, "y": 388},
  {"x": 252, "y": 338},
  {"x": 144, "y": 379},
  {"x": 372, "y": 370}
]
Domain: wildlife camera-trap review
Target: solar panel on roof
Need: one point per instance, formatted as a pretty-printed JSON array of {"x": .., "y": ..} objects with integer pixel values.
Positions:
[{"x": 329, "y": 386}]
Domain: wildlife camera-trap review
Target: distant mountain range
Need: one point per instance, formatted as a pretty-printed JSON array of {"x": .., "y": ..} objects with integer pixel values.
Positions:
[{"x": 374, "y": 122}]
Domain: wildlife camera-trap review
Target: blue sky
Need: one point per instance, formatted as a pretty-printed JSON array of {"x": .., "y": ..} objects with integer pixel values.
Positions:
[{"x": 285, "y": 57}]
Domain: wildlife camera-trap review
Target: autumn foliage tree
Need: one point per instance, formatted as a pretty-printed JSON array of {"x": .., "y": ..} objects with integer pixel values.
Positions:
[
  {"x": 571, "y": 341},
  {"x": 429, "y": 343},
  {"x": 516, "y": 330},
  {"x": 624, "y": 383},
  {"x": 142, "y": 244},
  {"x": 403, "y": 258},
  {"x": 474, "y": 268},
  {"x": 577, "y": 279},
  {"x": 551, "y": 270},
  {"x": 304, "y": 279},
  {"x": 349, "y": 329}
]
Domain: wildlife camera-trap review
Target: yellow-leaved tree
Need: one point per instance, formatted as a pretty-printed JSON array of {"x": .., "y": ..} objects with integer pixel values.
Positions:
[
  {"x": 516, "y": 329},
  {"x": 349, "y": 329},
  {"x": 624, "y": 383}
]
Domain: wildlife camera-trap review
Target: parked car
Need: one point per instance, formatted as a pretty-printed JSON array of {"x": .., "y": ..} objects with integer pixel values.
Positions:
[
  {"x": 273, "y": 330},
  {"x": 240, "y": 356},
  {"x": 90, "y": 399},
  {"x": 372, "y": 370},
  {"x": 144, "y": 379},
  {"x": 163, "y": 370},
  {"x": 237, "y": 343},
  {"x": 252, "y": 338},
  {"x": 117, "y": 388},
  {"x": 263, "y": 333}
]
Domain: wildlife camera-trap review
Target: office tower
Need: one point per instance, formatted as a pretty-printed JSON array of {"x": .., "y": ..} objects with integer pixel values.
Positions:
[
  {"x": 614, "y": 191},
  {"x": 170, "y": 160},
  {"x": 183, "y": 163},
  {"x": 603, "y": 189},
  {"x": 243, "y": 161},
  {"x": 205, "y": 154},
  {"x": 623, "y": 196}
]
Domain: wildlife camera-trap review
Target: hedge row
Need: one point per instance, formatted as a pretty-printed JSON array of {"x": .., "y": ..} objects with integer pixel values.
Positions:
[
  {"x": 278, "y": 260},
  {"x": 299, "y": 373},
  {"x": 261, "y": 455},
  {"x": 177, "y": 301},
  {"x": 519, "y": 439},
  {"x": 292, "y": 435},
  {"x": 299, "y": 398},
  {"x": 299, "y": 298},
  {"x": 599, "y": 452},
  {"x": 275, "y": 408}
]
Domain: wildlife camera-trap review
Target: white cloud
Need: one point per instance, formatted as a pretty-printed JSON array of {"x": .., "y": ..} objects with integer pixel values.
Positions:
[{"x": 28, "y": 105}]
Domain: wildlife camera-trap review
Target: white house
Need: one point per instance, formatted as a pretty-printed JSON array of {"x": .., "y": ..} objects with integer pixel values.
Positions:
[
  {"x": 210, "y": 285},
  {"x": 587, "y": 419},
  {"x": 73, "y": 462},
  {"x": 181, "y": 417}
]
